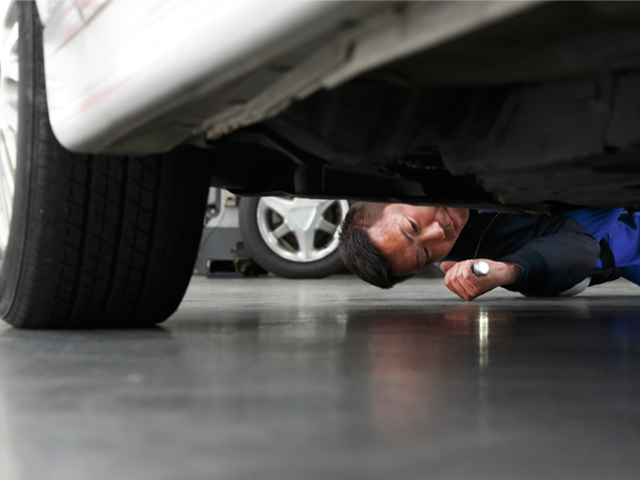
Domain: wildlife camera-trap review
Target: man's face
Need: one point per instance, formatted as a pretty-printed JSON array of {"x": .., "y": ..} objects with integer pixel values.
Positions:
[{"x": 412, "y": 237}]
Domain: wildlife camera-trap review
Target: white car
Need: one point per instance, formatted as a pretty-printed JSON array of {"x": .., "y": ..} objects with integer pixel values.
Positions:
[{"x": 117, "y": 116}]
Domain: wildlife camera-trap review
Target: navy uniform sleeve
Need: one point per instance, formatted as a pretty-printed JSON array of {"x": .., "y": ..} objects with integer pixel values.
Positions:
[{"x": 554, "y": 263}]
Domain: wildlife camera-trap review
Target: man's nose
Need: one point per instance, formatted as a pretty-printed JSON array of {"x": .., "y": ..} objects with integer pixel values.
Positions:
[{"x": 433, "y": 232}]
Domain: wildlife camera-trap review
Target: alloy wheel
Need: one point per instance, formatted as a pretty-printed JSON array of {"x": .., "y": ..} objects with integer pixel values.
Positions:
[
  {"x": 9, "y": 78},
  {"x": 301, "y": 229}
]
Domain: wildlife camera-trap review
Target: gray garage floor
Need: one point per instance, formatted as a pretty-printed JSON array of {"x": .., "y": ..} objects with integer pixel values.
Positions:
[{"x": 275, "y": 379}]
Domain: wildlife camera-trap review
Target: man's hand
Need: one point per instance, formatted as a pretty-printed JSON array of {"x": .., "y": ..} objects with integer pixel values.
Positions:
[{"x": 460, "y": 279}]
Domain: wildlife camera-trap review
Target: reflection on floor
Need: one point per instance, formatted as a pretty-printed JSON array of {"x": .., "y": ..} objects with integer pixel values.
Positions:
[{"x": 269, "y": 378}]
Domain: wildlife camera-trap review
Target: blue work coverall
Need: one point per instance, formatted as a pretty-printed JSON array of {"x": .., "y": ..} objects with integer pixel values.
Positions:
[{"x": 620, "y": 230}]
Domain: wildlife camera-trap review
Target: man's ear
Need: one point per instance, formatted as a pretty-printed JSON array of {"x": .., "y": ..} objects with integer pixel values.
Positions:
[{"x": 446, "y": 265}]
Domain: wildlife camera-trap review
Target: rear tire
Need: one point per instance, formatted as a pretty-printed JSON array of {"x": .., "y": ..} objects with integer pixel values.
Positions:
[
  {"x": 94, "y": 240},
  {"x": 293, "y": 237}
]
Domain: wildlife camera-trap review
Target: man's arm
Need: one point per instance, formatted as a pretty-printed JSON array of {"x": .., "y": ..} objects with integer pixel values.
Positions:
[
  {"x": 554, "y": 263},
  {"x": 554, "y": 253}
]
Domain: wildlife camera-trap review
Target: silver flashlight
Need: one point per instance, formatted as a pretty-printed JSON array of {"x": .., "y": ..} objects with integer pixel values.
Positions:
[{"x": 480, "y": 268}]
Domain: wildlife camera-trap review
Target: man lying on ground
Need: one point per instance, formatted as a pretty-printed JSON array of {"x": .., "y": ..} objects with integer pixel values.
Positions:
[{"x": 385, "y": 244}]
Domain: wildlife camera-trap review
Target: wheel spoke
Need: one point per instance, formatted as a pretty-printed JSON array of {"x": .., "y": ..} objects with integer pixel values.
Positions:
[
  {"x": 7, "y": 169},
  {"x": 306, "y": 240},
  {"x": 7, "y": 206},
  {"x": 327, "y": 227},
  {"x": 324, "y": 205},
  {"x": 9, "y": 44},
  {"x": 10, "y": 120},
  {"x": 10, "y": 70},
  {"x": 6, "y": 197},
  {"x": 279, "y": 205},
  {"x": 282, "y": 230},
  {"x": 9, "y": 147},
  {"x": 316, "y": 213}
]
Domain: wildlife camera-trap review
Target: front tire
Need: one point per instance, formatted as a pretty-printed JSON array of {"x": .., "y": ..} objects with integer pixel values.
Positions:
[{"x": 94, "y": 240}]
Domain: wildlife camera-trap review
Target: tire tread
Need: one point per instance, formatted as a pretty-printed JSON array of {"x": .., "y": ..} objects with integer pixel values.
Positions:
[{"x": 105, "y": 240}]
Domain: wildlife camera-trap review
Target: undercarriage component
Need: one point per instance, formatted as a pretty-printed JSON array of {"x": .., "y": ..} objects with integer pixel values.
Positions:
[{"x": 573, "y": 142}]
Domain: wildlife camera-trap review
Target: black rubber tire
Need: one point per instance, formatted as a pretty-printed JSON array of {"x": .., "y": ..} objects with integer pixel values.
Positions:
[
  {"x": 95, "y": 241},
  {"x": 270, "y": 260}
]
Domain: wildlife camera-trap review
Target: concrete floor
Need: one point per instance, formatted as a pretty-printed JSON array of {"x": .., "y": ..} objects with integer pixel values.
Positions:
[{"x": 269, "y": 378}]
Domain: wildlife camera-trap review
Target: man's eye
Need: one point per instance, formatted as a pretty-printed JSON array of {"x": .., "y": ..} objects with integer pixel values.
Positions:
[{"x": 414, "y": 226}]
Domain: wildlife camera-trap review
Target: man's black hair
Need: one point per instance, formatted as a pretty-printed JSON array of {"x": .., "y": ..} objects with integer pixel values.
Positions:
[{"x": 358, "y": 252}]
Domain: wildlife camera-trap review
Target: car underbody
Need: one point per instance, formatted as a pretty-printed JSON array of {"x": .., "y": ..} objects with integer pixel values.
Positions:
[{"x": 537, "y": 112}]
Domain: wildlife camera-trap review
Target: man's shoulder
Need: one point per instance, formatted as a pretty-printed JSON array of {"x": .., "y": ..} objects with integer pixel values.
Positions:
[
  {"x": 496, "y": 234},
  {"x": 498, "y": 221}
]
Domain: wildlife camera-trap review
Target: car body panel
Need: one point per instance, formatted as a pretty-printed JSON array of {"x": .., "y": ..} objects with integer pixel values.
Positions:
[
  {"x": 143, "y": 76},
  {"x": 137, "y": 60}
]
